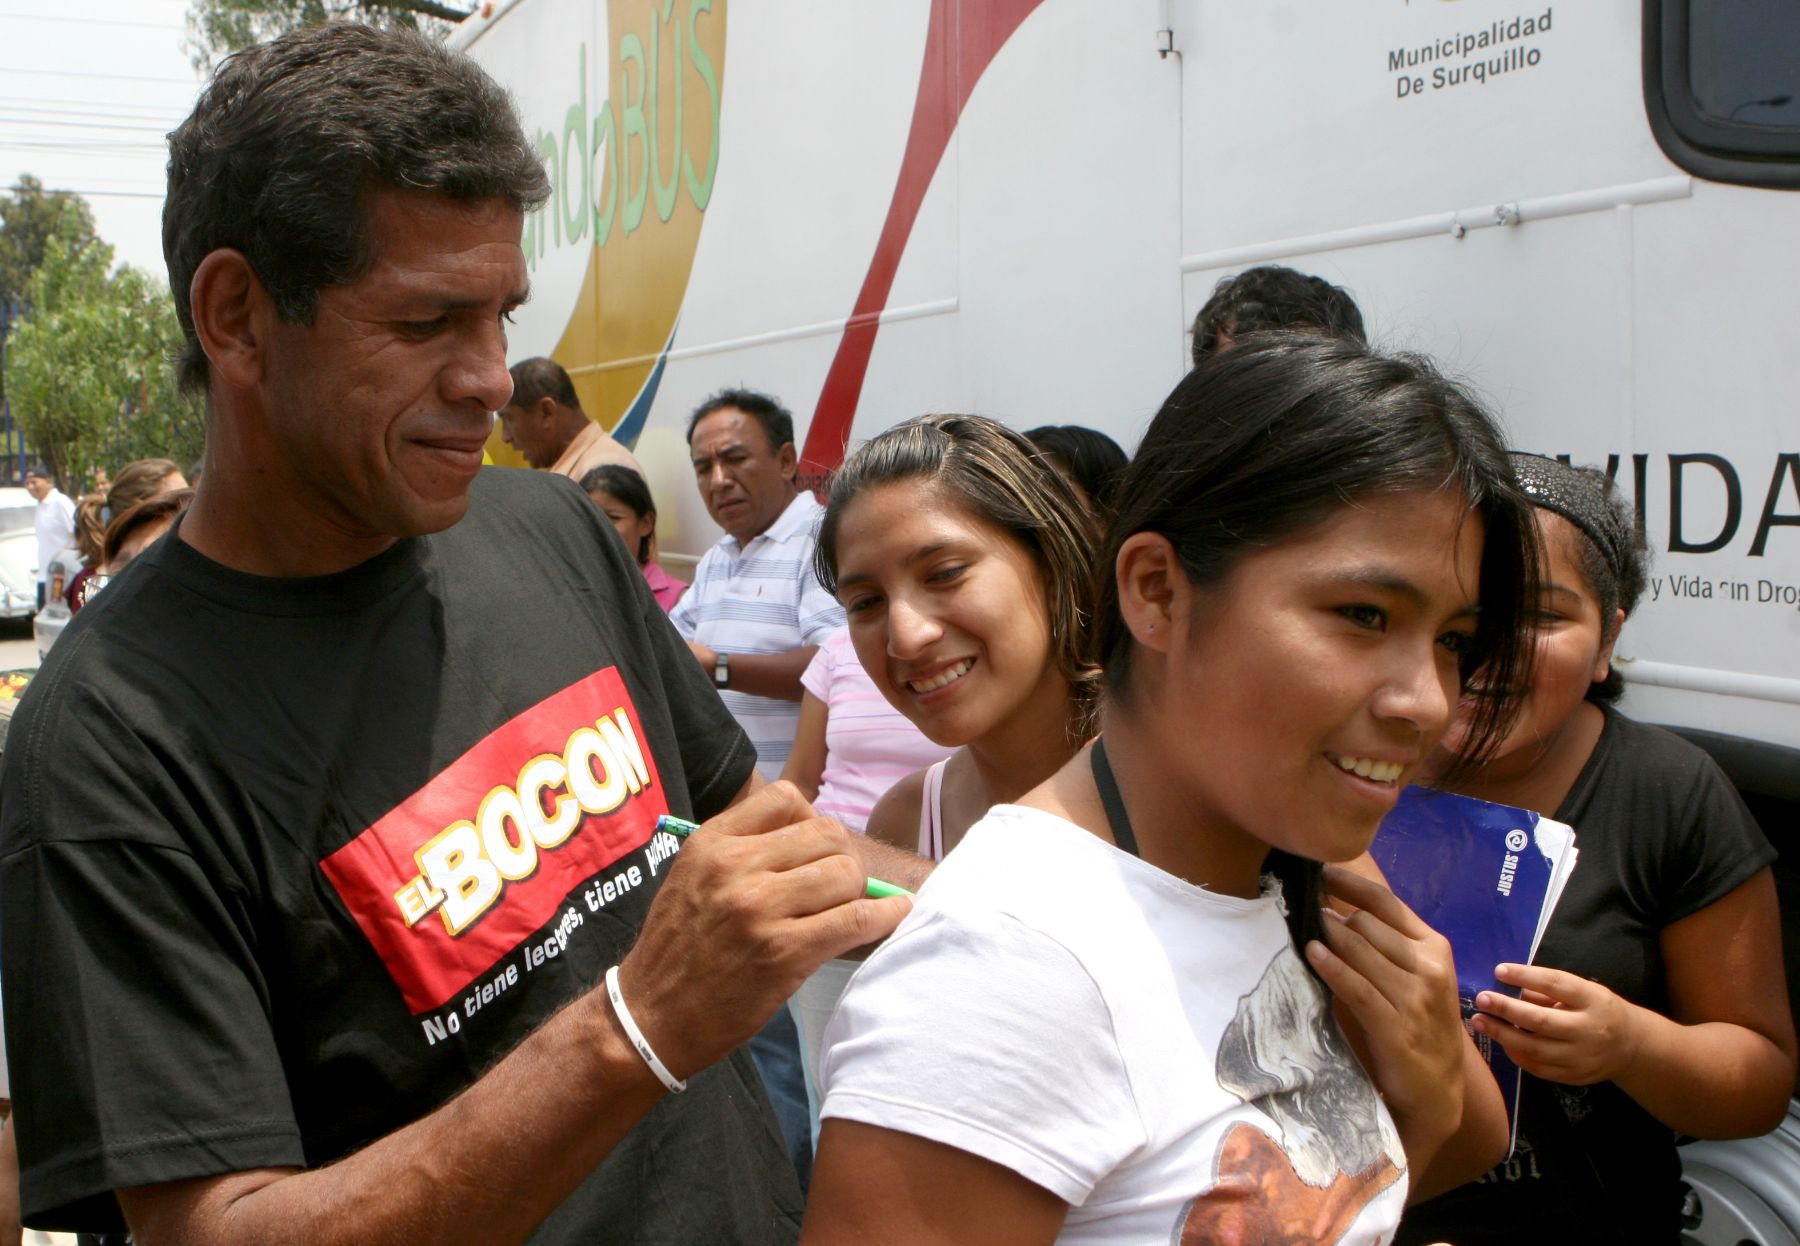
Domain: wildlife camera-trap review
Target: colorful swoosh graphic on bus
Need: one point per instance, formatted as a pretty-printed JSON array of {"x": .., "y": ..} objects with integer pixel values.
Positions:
[
  {"x": 634, "y": 173},
  {"x": 632, "y": 422},
  {"x": 960, "y": 43}
]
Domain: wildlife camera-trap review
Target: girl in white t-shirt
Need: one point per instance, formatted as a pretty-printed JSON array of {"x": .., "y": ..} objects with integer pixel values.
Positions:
[
  {"x": 1114, "y": 1013},
  {"x": 970, "y": 547}
]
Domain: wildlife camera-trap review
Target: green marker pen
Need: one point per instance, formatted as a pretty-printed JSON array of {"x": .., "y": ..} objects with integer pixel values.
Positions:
[{"x": 681, "y": 828}]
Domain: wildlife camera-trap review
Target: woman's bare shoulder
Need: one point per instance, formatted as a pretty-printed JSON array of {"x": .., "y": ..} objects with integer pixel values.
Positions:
[{"x": 895, "y": 818}]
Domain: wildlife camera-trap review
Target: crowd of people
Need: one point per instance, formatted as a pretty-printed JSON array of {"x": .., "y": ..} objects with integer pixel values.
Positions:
[
  {"x": 106, "y": 528},
  {"x": 334, "y": 904}
]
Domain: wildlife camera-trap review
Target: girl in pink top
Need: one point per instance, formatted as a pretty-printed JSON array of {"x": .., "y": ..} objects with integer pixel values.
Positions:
[
  {"x": 624, "y": 498},
  {"x": 963, "y": 560}
]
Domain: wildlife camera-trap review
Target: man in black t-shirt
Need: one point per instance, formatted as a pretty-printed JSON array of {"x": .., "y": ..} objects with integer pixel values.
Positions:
[{"x": 322, "y": 824}]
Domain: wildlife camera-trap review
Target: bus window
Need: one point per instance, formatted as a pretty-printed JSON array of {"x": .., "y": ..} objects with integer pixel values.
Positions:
[{"x": 1722, "y": 87}]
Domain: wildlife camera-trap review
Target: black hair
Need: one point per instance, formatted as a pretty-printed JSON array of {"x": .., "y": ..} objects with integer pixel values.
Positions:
[
  {"x": 776, "y": 421},
  {"x": 1608, "y": 545},
  {"x": 1263, "y": 441},
  {"x": 619, "y": 481},
  {"x": 539, "y": 377},
  {"x": 282, "y": 152},
  {"x": 1088, "y": 455},
  {"x": 1273, "y": 296}
]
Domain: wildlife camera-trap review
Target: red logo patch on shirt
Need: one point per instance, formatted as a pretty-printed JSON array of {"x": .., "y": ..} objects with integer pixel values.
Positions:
[{"x": 463, "y": 870}]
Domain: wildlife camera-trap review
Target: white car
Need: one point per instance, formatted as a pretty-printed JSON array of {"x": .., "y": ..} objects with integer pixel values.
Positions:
[
  {"x": 18, "y": 553},
  {"x": 1748, "y": 1191}
]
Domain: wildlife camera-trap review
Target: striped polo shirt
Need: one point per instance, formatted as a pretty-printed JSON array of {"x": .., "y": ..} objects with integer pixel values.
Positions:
[{"x": 762, "y": 598}]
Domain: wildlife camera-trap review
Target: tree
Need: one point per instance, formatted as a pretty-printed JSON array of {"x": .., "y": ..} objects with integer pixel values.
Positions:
[
  {"x": 91, "y": 367},
  {"x": 217, "y": 28},
  {"x": 28, "y": 216}
]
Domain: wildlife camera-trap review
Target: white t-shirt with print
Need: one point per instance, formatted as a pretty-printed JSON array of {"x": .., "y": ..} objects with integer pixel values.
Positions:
[{"x": 1155, "y": 1054}]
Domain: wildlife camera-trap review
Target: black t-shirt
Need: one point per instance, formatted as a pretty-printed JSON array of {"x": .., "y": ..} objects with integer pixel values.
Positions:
[
  {"x": 1662, "y": 834},
  {"x": 286, "y": 863}
]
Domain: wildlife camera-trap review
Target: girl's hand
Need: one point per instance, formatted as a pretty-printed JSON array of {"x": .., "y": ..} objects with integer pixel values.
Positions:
[
  {"x": 1566, "y": 1029},
  {"x": 1397, "y": 979}
]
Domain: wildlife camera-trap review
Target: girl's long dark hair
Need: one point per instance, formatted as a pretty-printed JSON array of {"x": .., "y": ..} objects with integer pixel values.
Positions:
[{"x": 1260, "y": 443}]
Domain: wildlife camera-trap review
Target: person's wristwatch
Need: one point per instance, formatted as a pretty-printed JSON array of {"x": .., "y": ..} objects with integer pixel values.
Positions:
[{"x": 722, "y": 670}]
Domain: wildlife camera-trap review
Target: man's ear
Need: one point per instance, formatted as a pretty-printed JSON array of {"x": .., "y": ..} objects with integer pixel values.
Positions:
[
  {"x": 787, "y": 459},
  {"x": 232, "y": 313},
  {"x": 545, "y": 409},
  {"x": 1151, "y": 586}
]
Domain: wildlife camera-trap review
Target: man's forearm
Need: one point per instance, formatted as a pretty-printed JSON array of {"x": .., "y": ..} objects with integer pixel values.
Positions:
[
  {"x": 895, "y": 865},
  {"x": 774, "y": 675},
  {"x": 486, "y": 1167},
  {"x": 757, "y": 899}
]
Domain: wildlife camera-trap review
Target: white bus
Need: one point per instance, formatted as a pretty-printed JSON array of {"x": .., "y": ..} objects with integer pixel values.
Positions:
[{"x": 1015, "y": 207}]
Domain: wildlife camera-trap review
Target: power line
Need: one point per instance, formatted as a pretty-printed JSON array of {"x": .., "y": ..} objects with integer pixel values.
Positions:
[
  {"x": 80, "y": 148},
  {"x": 192, "y": 84},
  {"x": 139, "y": 182},
  {"x": 73, "y": 141},
  {"x": 87, "y": 108},
  {"x": 110, "y": 194},
  {"x": 80, "y": 125},
  {"x": 18, "y": 189},
  {"x": 85, "y": 21}
]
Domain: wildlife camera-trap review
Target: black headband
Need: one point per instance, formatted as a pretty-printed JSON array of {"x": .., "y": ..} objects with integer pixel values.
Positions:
[{"x": 1581, "y": 497}]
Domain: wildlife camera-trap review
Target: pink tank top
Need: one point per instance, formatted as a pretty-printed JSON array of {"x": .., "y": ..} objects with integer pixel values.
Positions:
[{"x": 931, "y": 813}]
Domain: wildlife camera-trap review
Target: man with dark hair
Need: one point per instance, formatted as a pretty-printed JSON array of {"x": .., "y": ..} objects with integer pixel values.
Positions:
[
  {"x": 777, "y": 422},
  {"x": 545, "y": 423},
  {"x": 1272, "y": 296},
  {"x": 756, "y": 612},
  {"x": 753, "y": 619},
  {"x": 323, "y": 822}
]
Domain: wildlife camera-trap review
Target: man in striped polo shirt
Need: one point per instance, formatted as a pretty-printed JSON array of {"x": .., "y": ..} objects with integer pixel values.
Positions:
[
  {"x": 753, "y": 618},
  {"x": 756, "y": 612}
]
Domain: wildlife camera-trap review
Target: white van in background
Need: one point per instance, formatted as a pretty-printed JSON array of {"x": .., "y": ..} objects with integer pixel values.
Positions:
[
  {"x": 1015, "y": 207},
  {"x": 18, "y": 553}
]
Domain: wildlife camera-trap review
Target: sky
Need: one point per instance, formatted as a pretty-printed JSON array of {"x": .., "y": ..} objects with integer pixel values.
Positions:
[{"x": 88, "y": 88}]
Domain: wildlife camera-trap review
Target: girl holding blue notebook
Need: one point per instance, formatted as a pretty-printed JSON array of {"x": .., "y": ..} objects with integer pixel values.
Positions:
[{"x": 1656, "y": 1005}]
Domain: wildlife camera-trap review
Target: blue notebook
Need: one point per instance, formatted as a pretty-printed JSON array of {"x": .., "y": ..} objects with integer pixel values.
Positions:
[{"x": 1487, "y": 877}]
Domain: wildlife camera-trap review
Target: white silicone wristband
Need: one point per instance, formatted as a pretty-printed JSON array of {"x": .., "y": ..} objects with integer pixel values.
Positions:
[{"x": 636, "y": 1035}]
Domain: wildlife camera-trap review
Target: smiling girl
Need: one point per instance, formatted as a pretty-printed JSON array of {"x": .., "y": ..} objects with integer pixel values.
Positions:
[
  {"x": 963, "y": 562},
  {"x": 1104, "y": 1020}
]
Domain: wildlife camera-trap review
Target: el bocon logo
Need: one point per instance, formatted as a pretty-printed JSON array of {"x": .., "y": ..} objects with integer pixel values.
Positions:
[{"x": 631, "y": 175}]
